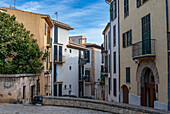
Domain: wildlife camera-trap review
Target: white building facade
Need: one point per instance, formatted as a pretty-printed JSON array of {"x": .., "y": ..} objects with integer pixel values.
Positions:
[{"x": 111, "y": 50}]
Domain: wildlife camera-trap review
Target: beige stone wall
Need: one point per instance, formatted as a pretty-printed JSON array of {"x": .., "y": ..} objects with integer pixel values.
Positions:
[
  {"x": 158, "y": 32},
  {"x": 11, "y": 87},
  {"x": 36, "y": 25}
]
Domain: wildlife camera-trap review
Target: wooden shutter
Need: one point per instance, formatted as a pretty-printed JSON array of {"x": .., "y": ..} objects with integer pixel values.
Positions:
[
  {"x": 55, "y": 34},
  {"x": 128, "y": 74},
  {"x": 55, "y": 52},
  {"x": 60, "y": 53}
]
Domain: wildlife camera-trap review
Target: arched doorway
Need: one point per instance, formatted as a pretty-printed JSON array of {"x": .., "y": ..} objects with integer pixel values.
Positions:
[
  {"x": 125, "y": 94},
  {"x": 148, "y": 94}
]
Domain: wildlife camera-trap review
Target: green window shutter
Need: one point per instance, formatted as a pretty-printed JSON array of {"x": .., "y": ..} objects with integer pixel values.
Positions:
[
  {"x": 60, "y": 53},
  {"x": 130, "y": 38},
  {"x": 138, "y": 3},
  {"x": 56, "y": 34},
  {"x": 124, "y": 41},
  {"x": 55, "y": 52},
  {"x": 128, "y": 74}
]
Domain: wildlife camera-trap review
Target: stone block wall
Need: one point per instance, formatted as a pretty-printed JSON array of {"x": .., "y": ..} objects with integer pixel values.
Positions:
[
  {"x": 112, "y": 107},
  {"x": 11, "y": 87}
]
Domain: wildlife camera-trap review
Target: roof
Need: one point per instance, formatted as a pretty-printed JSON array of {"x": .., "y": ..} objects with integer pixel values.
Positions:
[
  {"x": 62, "y": 25},
  {"x": 106, "y": 28},
  {"x": 76, "y": 46},
  {"x": 46, "y": 17},
  {"x": 77, "y": 36},
  {"x": 92, "y": 45}
]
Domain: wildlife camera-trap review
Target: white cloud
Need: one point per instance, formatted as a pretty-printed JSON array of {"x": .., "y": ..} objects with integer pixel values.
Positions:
[{"x": 30, "y": 6}]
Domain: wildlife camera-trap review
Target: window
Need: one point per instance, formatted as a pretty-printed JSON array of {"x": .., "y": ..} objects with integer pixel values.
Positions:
[
  {"x": 138, "y": 3},
  {"x": 87, "y": 56},
  {"x": 45, "y": 29},
  {"x": 55, "y": 52},
  {"x": 102, "y": 58},
  {"x": 114, "y": 54},
  {"x": 65, "y": 86},
  {"x": 113, "y": 10},
  {"x": 128, "y": 74},
  {"x": 24, "y": 92},
  {"x": 87, "y": 75},
  {"x": 109, "y": 40},
  {"x": 110, "y": 63},
  {"x": 70, "y": 50},
  {"x": 126, "y": 8},
  {"x": 106, "y": 43},
  {"x": 55, "y": 34},
  {"x": 115, "y": 87},
  {"x": 55, "y": 72},
  {"x": 60, "y": 53},
  {"x": 70, "y": 86},
  {"x": 127, "y": 39},
  {"x": 70, "y": 67},
  {"x": 109, "y": 85},
  {"x": 114, "y": 35}
]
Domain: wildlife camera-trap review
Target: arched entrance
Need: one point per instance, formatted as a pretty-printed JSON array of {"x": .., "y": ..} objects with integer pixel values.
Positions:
[
  {"x": 125, "y": 94},
  {"x": 148, "y": 94},
  {"x": 148, "y": 80}
]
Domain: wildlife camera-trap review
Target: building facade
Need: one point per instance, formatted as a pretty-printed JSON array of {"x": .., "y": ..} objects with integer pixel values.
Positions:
[
  {"x": 40, "y": 25},
  {"x": 66, "y": 68},
  {"x": 144, "y": 52},
  {"x": 111, "y": 50},
  {"x": 93, "y": 86}
]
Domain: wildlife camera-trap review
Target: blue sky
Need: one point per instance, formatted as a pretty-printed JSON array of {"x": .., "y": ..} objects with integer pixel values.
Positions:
[{"x": 87, "y": 17}]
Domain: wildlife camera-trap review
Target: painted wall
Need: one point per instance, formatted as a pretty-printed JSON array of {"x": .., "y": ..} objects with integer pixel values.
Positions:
[{"x": 158, "y": 32}]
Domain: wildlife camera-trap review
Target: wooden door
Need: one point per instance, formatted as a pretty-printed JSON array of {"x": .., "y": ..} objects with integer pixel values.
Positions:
[
  {"x": 125, "y": 95},
  {"x": 152, "y": 96},
  {"x": 143, "y": 96}
]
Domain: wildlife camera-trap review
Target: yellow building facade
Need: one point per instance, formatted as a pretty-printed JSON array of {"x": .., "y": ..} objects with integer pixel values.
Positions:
[
  {"x": 40, "y": 25},
  {"x": 144, "y": 52}
]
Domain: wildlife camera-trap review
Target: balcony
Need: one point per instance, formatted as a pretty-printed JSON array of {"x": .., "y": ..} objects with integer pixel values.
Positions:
[
  {"x": 82, "y": 61},
  {"x": 103, "y": 50},
  {"x": 104, "y": 71},
  {"x": 61, "y": 60},
  {"x": 49, "y": 42},
  {"x": 144, "y": 49}
]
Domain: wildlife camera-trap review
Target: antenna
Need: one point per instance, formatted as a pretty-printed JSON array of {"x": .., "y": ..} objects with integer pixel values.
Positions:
[
  {"x": 14, "y": 3},
  {"x": 56, "y": 15}
]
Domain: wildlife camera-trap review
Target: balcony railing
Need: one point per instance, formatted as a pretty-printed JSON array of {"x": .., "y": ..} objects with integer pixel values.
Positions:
[
  {"x": 144, "y": 48},
  {"x": 59, "y": 60},
  {"x": 82, "y": 61}
]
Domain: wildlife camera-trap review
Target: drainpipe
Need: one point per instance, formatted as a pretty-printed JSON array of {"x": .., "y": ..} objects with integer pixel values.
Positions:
[
  {"x": 118, "y": 47},
  {"x": 167, "y": 50}
]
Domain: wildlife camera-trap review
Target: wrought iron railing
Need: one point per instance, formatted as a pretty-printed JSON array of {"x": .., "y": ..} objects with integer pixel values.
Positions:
[{"x": 143, "y": 48}]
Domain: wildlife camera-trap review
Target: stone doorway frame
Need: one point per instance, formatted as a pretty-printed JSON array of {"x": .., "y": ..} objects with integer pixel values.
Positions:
[{"x": 142, "y": 67}]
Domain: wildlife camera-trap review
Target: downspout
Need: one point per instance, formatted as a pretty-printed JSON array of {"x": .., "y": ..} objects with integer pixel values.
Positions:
[
  {"x": 167, "y": 50},
  {"x": 118, "y": 47}
]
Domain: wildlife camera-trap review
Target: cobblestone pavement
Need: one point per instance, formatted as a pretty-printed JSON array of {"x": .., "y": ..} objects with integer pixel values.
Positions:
[{"x": 32, "y": 109}]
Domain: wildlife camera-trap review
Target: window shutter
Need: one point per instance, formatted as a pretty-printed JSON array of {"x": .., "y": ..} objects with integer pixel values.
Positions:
[
  {"x": 124, "y": 41},
  {"x": 87, "y": 56},
  {"x": 56, "y": 34},
  {"x": 111, "y": 11},
  {"x": 115, "y": 87},
  {"x": 138, "y": 3},
  {"x": 55, "y": 52},
  {"x": 128, "y": 74},
  {"x": 130, "y": 37},
  {"x": 114, "y": 35},
  {"x": 60, "y": 53}
]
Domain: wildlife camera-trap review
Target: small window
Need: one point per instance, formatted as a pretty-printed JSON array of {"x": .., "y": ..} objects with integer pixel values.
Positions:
[
  {"x": 70, "y": 67},
  {"x": 70, "y": 50},
  {"x": 24, "y": 92},
  {"x": 70, "y": 86},
  {"x": 109, "y": 85},
  {"x": 65, "y": 86},
  {"x": 138, "y": 3},
  {"x": 128, "y": 74},
  {"x": 127, "y": 39}
]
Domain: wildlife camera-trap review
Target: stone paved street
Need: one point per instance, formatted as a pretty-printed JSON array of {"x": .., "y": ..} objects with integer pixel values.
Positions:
[{"x": 31, "y": 109}]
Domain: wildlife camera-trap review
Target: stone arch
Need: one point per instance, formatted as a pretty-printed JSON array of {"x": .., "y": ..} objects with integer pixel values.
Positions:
[{"x": 142, "y": 68}]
